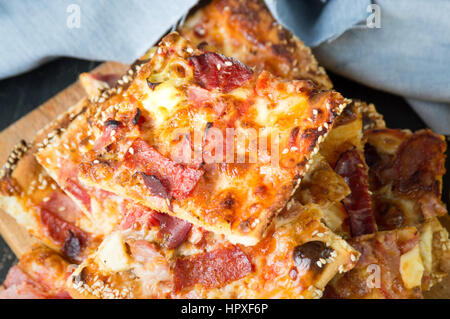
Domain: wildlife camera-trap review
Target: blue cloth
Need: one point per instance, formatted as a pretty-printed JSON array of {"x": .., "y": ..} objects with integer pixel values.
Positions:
[{"x": 409, "y": 55}]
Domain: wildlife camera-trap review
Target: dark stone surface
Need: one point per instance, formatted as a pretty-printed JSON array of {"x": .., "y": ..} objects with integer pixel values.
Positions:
[{"x": 21, "y": 94}]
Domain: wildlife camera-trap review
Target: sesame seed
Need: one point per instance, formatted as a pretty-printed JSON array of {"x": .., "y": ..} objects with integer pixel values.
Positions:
[
  {"x": 228, "y": 63},
  {"x": 219, "y": 66},
  {"x": 131, "y": 150},
  {"x": 46, "y": 199}
]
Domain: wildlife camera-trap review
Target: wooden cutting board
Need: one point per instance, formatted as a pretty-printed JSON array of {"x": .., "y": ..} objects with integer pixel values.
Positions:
[
  {"x": 25, "y": 128},
  {"x": 15, "y": 235}
]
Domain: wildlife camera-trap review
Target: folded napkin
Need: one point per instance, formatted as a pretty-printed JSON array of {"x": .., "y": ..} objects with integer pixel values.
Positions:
[{"x": 408, "y": 55}]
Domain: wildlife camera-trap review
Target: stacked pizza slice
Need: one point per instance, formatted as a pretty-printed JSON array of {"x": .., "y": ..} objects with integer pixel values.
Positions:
[{"x": 223, "y": 165}]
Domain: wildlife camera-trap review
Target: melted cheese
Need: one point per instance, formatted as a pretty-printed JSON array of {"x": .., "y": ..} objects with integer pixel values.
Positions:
[
  {"x": 112, "y": 253},
  {"x": 162, "y": 102},
  {"x": 411, "y": 268}
]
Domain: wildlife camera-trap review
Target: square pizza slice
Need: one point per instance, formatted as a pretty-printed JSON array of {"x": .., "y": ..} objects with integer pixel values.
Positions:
[
  {"x": 339, "y": 180},
  {"x": 35, "y": 201},
  {"x": 247, "y": 31},
  {"x": 161, "y": 141},
  {"x": 400, "y": 263},
  {"x": 296, "y": 259}
]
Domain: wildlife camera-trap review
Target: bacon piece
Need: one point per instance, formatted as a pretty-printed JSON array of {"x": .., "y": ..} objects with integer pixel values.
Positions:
[
  {"x": 174, "y": 230},
  {"x": 78, "y": 192},
  {"x": 61, "y": 231},
  {"x": 178, "y": 180},
  {"x": 136, "y": 214},
  {"x": 358, "y": 203},
  {"x": 143, "y": 250},
  {"x": 62, "y": 205},
  {"x": 69, "y": 174},
  {"x": 213, "y": 269},
  {"x": 215, "y": 71},
  {"x": 202, "y": 98},
  {"x": 420, "y": 158},
  {"x": 155, "y": 186}
]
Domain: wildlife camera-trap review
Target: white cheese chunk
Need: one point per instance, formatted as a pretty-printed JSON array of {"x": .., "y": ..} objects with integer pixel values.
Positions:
[
  {"x": 113, "y": 254},
  {"x": 411, "y": 268}
]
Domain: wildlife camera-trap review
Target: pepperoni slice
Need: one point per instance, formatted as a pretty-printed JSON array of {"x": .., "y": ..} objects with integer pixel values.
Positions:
[
  {"x": 63, "y": 233},
  {"x": 215, "y": 71},
  {"x": 358, "y": 204},
  {"x": 213, "y": 269},
  {"x": 174, "y": 230},
  {"x": 177, "y": 179},
  {"x": 137, "y": 214}
]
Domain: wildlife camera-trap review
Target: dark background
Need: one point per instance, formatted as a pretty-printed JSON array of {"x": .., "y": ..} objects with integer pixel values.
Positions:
[{"x": 21, "y": 94}]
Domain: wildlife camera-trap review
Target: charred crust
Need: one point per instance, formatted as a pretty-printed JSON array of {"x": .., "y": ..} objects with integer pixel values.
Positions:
[
  {"x": 152, "y": 85},
  {"x": 81, "y": 277},
  {"x": 113, "y": 123},
  {"x": 137, "y": 116},
  {"x": 72, "y": 246}
]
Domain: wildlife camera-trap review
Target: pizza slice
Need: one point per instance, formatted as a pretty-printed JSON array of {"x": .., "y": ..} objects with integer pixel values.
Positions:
[
  {"x": 406, "y": 172},
  {"x": 40, "y": 274},
  {"x": 247, "y": 31},
  {"x": 399, "y": 263},
  {"x": 338, "y": 181},
  {"x": 296, "y": 259},
  {"x": 36, "y": 202},
  {"x": 139, "y": 144}
]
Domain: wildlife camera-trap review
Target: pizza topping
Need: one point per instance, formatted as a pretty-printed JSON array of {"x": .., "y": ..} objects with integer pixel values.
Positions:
[
  {"x": 155, "y": 186},
  {"x": 137, "y": 116},
  {"x": 212, "y": 269},
  {"x": 358, "y": 203},
  {"x": 113, "y": 124},
  {"x": 310, "y": 255},
  {"x": 177, "y": 179},
  {"x": 215, "y": 71},
  {"x": 15, "y": 276},
  {"x": 137, "y": 216},
  {"x": 174, "y": 230},
  {"x": 61, "y": 231},
  {"x": 152, "y": 85},
  {"x": 419, "y": 159},
  {"x": 72, "y": 246},
  {"x": 61, "y": 205},
  {"x": 78, "y": 192}
]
